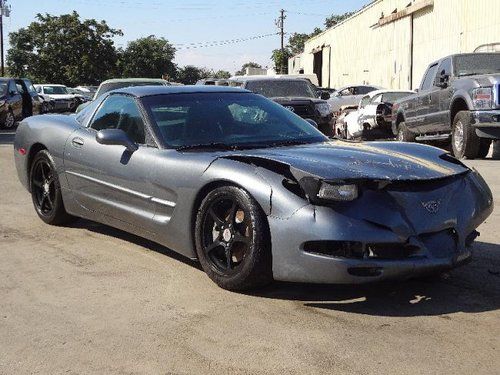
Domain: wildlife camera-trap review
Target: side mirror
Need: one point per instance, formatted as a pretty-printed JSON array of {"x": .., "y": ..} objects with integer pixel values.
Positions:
[
  {"x": 312, "y": 122},
  {"x": 115, "y": 137},
  {"x": 325, "y": 95},
  {"x": 442, "y": 80}
]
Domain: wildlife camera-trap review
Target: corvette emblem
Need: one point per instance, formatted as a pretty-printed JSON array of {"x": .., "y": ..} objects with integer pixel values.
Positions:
[
  {"x": 290, "y": 108},
  {"x": 432, "y": 206}
]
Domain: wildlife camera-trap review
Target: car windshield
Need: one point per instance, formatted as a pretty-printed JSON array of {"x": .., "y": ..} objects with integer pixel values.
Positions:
[
  {"x": 227, "y": 119},
  {"x": 480, "y": 63},
  {"x": 391, "y": 97},
  {"x": 3, "y": 87},
  {"x": 120, "y": 85},
  {"x": 274, "y": 88},
  {"x": 55, "y": 90}
]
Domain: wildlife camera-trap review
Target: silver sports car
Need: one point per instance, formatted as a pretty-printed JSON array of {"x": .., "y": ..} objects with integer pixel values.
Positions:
[{"x": 250, "y": 189}]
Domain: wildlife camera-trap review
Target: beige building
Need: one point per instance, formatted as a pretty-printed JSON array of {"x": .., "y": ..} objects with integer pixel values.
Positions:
[{"x": 390, "y": 43}]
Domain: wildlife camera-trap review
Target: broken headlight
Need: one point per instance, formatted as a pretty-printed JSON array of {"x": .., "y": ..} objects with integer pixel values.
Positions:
[
  {"x": 340, "y": 192},
  {"x": 482, "y": 98}
]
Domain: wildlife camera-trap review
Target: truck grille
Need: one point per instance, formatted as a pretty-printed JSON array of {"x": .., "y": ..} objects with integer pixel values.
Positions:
[{"x": 303, "y": 110}]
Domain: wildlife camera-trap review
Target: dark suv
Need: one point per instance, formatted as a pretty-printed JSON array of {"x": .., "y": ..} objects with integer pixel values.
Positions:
[
  {"x": 18, "y": 99},
  {"x": 458, "y": 97},
  {"x": 296, "y": 94}
]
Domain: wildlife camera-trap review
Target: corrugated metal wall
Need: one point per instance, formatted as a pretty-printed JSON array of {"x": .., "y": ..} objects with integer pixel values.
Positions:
[{"x": 363, "y": 52}]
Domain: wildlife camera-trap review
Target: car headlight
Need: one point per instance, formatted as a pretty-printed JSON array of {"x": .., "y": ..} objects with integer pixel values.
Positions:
[
  {"x": 482, "y": 98},
  {"x": 323, "y": 109},
  {"x": 334, "y": 192}
]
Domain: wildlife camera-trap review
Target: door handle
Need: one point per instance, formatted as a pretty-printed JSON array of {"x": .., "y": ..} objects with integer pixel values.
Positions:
[{"x": 77, "y": 142}]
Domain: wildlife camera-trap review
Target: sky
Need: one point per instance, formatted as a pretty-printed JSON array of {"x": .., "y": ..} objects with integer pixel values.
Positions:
[{"x": 195, "y": 22}]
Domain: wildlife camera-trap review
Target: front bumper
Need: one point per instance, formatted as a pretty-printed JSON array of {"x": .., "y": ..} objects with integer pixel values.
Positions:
[
  {"x": 402, "y": 219},
  {"x": 487, "y": 123}
]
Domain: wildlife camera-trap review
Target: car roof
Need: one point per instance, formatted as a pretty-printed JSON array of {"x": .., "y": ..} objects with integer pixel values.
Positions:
[
  {"x": 376, "y": 92},
  {"x": 142, "y": 91},
  {"x": 116, "y": 80},
  {"x": 265, "y": 78}
]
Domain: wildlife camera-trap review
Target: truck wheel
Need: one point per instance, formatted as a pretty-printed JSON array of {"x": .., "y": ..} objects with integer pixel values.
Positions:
[
  {"x": 465, "y": 142},
  {"x": 404, "y": 135},
  {"x": 484, "y": 147}
]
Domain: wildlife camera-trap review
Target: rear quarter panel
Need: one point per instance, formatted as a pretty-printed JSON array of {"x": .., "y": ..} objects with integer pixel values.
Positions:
[{"x": 44, "y": 131}]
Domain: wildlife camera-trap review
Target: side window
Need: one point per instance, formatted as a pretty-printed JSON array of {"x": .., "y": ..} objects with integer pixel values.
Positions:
[
  {"x": 121, "y": 112},
  {"x": 445, "y": 68},
  {"x": 347, "y": 91},
  {"x": 12, "y": 87},
  {"x": 361, "y": 90},
  {"x": 429, "y": 78}
]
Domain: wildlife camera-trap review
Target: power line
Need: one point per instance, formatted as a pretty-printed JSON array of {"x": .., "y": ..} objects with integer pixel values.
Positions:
[{"x": 195, "y": 45}]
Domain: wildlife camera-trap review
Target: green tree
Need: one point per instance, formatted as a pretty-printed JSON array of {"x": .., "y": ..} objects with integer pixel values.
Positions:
[
  {"x": 148, "y": 57},
  {"x": 190, "y": 74},
  {"x": 297, "y": 40},
  {"x": 280, "y": 59},
  {"x": 222, "y": 74},
  {"x": 247, "y": 65},
  {"x": 63, "y": 49},
  {"x": 337, "y": 18}
]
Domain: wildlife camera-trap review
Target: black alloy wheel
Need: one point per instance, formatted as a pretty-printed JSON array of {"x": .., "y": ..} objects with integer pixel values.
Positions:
[
  {"x": 46, "y": 191},
  {"x": 232, "y": 239}
]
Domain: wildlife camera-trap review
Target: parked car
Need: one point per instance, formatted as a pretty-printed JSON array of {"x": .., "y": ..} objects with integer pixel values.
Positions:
[
  {"x": 459, "y": 96},
  {"x": 81, "y": 96},
  {"x": 18, "y": 100},
  {"x": 63, "y": 99},
  {"x": 118, "y": 83},
  {"x": 213, "y": 82},
  {"x": 88, "y": 90},
  {"x": 251, "y": 191},
  {"x": 372, "y": 119},
  {"x": 295, "y": 94},
  {"x": 349, "y": 95}
]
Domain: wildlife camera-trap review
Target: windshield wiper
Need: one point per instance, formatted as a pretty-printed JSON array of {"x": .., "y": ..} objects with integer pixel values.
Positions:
[
  {"x": 291, "y": 142},
  {"x": 208, "y": 146}
]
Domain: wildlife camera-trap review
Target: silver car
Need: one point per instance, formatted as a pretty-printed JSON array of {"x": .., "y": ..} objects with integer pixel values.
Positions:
[
  {"x": 250, "y": 189},
  {"x": 349, "y": 95}
]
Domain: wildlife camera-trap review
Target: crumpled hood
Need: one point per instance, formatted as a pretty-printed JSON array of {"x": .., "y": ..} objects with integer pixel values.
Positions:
[{"x": 339, "y": 160}]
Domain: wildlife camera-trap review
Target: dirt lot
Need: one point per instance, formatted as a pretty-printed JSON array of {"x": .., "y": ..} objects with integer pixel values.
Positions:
[{"x": 91, "y": 299}]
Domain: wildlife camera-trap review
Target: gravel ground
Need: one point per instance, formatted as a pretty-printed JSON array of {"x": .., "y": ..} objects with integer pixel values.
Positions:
[{"x": 92, "y": 299}]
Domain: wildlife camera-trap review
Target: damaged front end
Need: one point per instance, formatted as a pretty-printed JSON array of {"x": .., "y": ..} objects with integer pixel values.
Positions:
[{"x": 367, "y": 226}]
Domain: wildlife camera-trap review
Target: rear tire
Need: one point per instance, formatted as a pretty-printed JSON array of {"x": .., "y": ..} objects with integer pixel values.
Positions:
[
  {"x": 46, "y": 190},
  {"x": 465, "y": 142},
  {"x": 232, "y": 239},
  {"x": 404, "y": 135}
]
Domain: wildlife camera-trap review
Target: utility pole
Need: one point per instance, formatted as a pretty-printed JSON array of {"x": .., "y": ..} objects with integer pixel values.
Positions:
[
  {"x": 4, "y": 11},
  {"x": 280, "y": 22}
]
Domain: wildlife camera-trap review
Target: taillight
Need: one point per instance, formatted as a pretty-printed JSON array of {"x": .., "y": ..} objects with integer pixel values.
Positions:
[{"x": 22, "y": 151}]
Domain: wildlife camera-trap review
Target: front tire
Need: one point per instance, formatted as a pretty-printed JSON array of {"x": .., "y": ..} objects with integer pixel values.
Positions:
[
  {"x": 405, "y": 135},
  {"x": 464, "y": 141},
  {"x": 46, "y": 190},
  {"x": 232, "y": 239}
]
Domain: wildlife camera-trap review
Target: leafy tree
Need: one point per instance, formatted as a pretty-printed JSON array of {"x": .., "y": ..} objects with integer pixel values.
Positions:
[
  {"x": 222, "y": 74},
  {"x": 247, "y": 65},
  {"x": 337, "y": 18},
  {"x": 148, "y": 57},
  {"x": 280, "y": 60},
  {"x": 190, "y": 74},
  {"x": 297, "y": 40},
  {"x": 63, "y": 49}
]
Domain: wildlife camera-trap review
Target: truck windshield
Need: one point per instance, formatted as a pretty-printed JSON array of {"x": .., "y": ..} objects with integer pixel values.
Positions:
[
  {"x": 282, "y": 88},
  {"x": 480, "y": 63}
]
